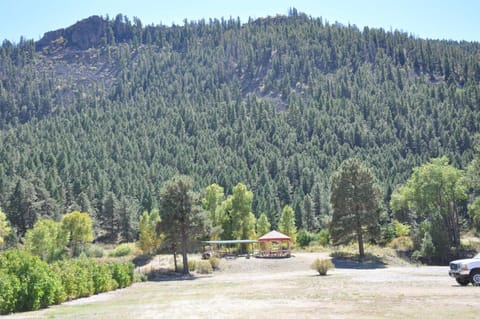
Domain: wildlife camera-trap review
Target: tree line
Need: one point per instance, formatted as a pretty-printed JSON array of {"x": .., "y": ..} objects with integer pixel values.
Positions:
[{"x": 276, "y": 103}]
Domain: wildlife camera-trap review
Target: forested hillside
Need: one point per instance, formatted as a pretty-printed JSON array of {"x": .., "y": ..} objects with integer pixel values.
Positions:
[{"x": 97, "y": 116}]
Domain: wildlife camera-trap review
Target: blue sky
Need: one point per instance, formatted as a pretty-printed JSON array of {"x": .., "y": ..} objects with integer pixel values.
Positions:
[{"x": 434, "y": 19}]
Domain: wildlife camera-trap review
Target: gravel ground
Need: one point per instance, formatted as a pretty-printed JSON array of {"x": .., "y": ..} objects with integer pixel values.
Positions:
[{"x": 285, "y": 288}]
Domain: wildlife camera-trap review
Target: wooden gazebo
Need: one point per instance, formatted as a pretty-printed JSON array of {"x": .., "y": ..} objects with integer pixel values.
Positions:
[{"x": 274, "y": 244}]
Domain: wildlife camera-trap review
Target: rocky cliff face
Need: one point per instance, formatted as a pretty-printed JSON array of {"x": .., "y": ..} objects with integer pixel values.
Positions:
[{"x": 85, "y": 34}]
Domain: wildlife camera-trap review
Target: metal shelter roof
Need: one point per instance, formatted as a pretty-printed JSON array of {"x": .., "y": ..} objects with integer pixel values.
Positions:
[{"x": 232, "y": 241}]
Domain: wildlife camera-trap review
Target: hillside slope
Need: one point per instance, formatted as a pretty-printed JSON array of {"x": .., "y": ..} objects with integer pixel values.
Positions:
[{"x": 107, "y": 110}]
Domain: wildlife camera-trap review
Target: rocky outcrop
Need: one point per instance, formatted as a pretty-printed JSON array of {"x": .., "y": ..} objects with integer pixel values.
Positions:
[{"x": 85, "y": 34}]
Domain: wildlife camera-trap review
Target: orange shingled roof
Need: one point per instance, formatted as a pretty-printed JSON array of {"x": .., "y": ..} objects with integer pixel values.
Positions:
[{"x": 274, "y": 236}]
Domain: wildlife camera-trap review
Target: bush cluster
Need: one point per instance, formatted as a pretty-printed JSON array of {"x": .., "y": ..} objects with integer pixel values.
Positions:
[
  {"x": 29, "y": 283},
  {"x": 215, "y": 262},
  {"x": 192, "y": 265},
  {"x": 402, "y": 243},
  {"x": 94, "y": 251},
  {"x": 122, "y": 250},
  {"x": 204, "y": 267},
  {"x": 306, "y": 238},
  {"x": 322, "y": 266}
]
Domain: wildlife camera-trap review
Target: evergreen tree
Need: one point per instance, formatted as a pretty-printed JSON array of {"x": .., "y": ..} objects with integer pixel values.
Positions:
[
  {"x": 279, "y": 111},
  {"x": 263, "y": 225},
  {"x": 4, "y": 228},
  {"x": 127, "y": 210},
  {"x": 182, "y": 218},
  {"x": 355, "y": 200},
  {"x": 109, "y": 217},
  {"x": 309, "y": 220},
  {"x": 22, "y": 212}
]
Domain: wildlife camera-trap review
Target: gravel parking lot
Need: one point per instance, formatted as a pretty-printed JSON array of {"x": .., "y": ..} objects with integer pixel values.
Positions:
[{"x": 285, "y": 288}]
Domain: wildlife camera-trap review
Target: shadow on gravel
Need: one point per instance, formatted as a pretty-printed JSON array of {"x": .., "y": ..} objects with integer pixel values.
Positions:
[
  {"x": 142, "y": 260},
  {"x": 168, "y": 275},
  {"x": 355, "y": 264}
]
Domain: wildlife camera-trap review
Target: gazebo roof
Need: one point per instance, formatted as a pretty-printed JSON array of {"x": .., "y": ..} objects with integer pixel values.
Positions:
[{"x": 274, "y": 236}]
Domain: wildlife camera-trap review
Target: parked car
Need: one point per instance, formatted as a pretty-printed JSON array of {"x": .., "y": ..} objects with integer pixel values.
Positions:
[{"x": 466, "y": 270}]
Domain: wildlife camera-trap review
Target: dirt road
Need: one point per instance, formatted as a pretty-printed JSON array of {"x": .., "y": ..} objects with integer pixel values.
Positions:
[{"x": 285, "y": 288}]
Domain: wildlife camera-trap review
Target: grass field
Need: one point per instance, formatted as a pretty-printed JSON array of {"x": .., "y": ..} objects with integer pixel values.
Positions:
[{"x": 285, "y": 288}]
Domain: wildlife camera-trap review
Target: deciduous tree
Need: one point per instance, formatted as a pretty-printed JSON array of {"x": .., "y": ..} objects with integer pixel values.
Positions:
[
  {"x": 287, "y": 223},
  {"x": 149, "y": 236},
  {"x": 472, "y": 178},
  {"x": 433, "y": 194},
  {"x": 78, "y": 226},
  {"x": 214, "y": 195},
  {"x": 47, "y": 240}
]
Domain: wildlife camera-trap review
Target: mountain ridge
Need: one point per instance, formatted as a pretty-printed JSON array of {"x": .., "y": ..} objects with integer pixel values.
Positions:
[{"x": 277, "y": 103}]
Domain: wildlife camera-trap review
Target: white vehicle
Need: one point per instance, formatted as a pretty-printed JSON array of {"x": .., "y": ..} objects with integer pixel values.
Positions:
[{"x": 466, "y": 270}]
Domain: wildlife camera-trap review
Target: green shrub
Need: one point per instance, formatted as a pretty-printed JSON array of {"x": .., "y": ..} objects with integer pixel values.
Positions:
[
  {"x": 324, "y": 237},
  {"x": 322, "y": 266},
  {"x": 122, "y": 273},
  {"x": 29, "y": 284},
  {"x": 76, "y": 276},
  {"x": 204, "y": 267},
  {"x": 401, "y": 243},
  {"x": 94, "y": 251},
  {"x": 304, "y": 237},
  {"x": 85, "y": 277},
  {"x": 192, "y": 265},
  {"x": 68, "y": 277},
  {"x": 214, "y": 262},
  {"x": 401, "y": 230},
  {"x": 139, "y": 277},
  {"x": 102, "y": 277},
  {"x": 388, "y": 233},
  {"x": 122, "y": 250},
  {"x": 9, "y": 289}
]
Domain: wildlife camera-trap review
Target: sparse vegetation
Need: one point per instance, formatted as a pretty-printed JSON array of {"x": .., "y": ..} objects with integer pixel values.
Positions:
[
  {"x": 122, "y": 250},
  {"x": 214, "y": 262},
  {"x": 204, "y": 267},
  {"x": 403, "y": 243},
  {"x": 322, "y": 266},
  {"x": 192, "y": 264}
]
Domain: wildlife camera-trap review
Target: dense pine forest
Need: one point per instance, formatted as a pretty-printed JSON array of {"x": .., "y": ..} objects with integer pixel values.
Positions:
[{"x": 97, "y": 116}]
